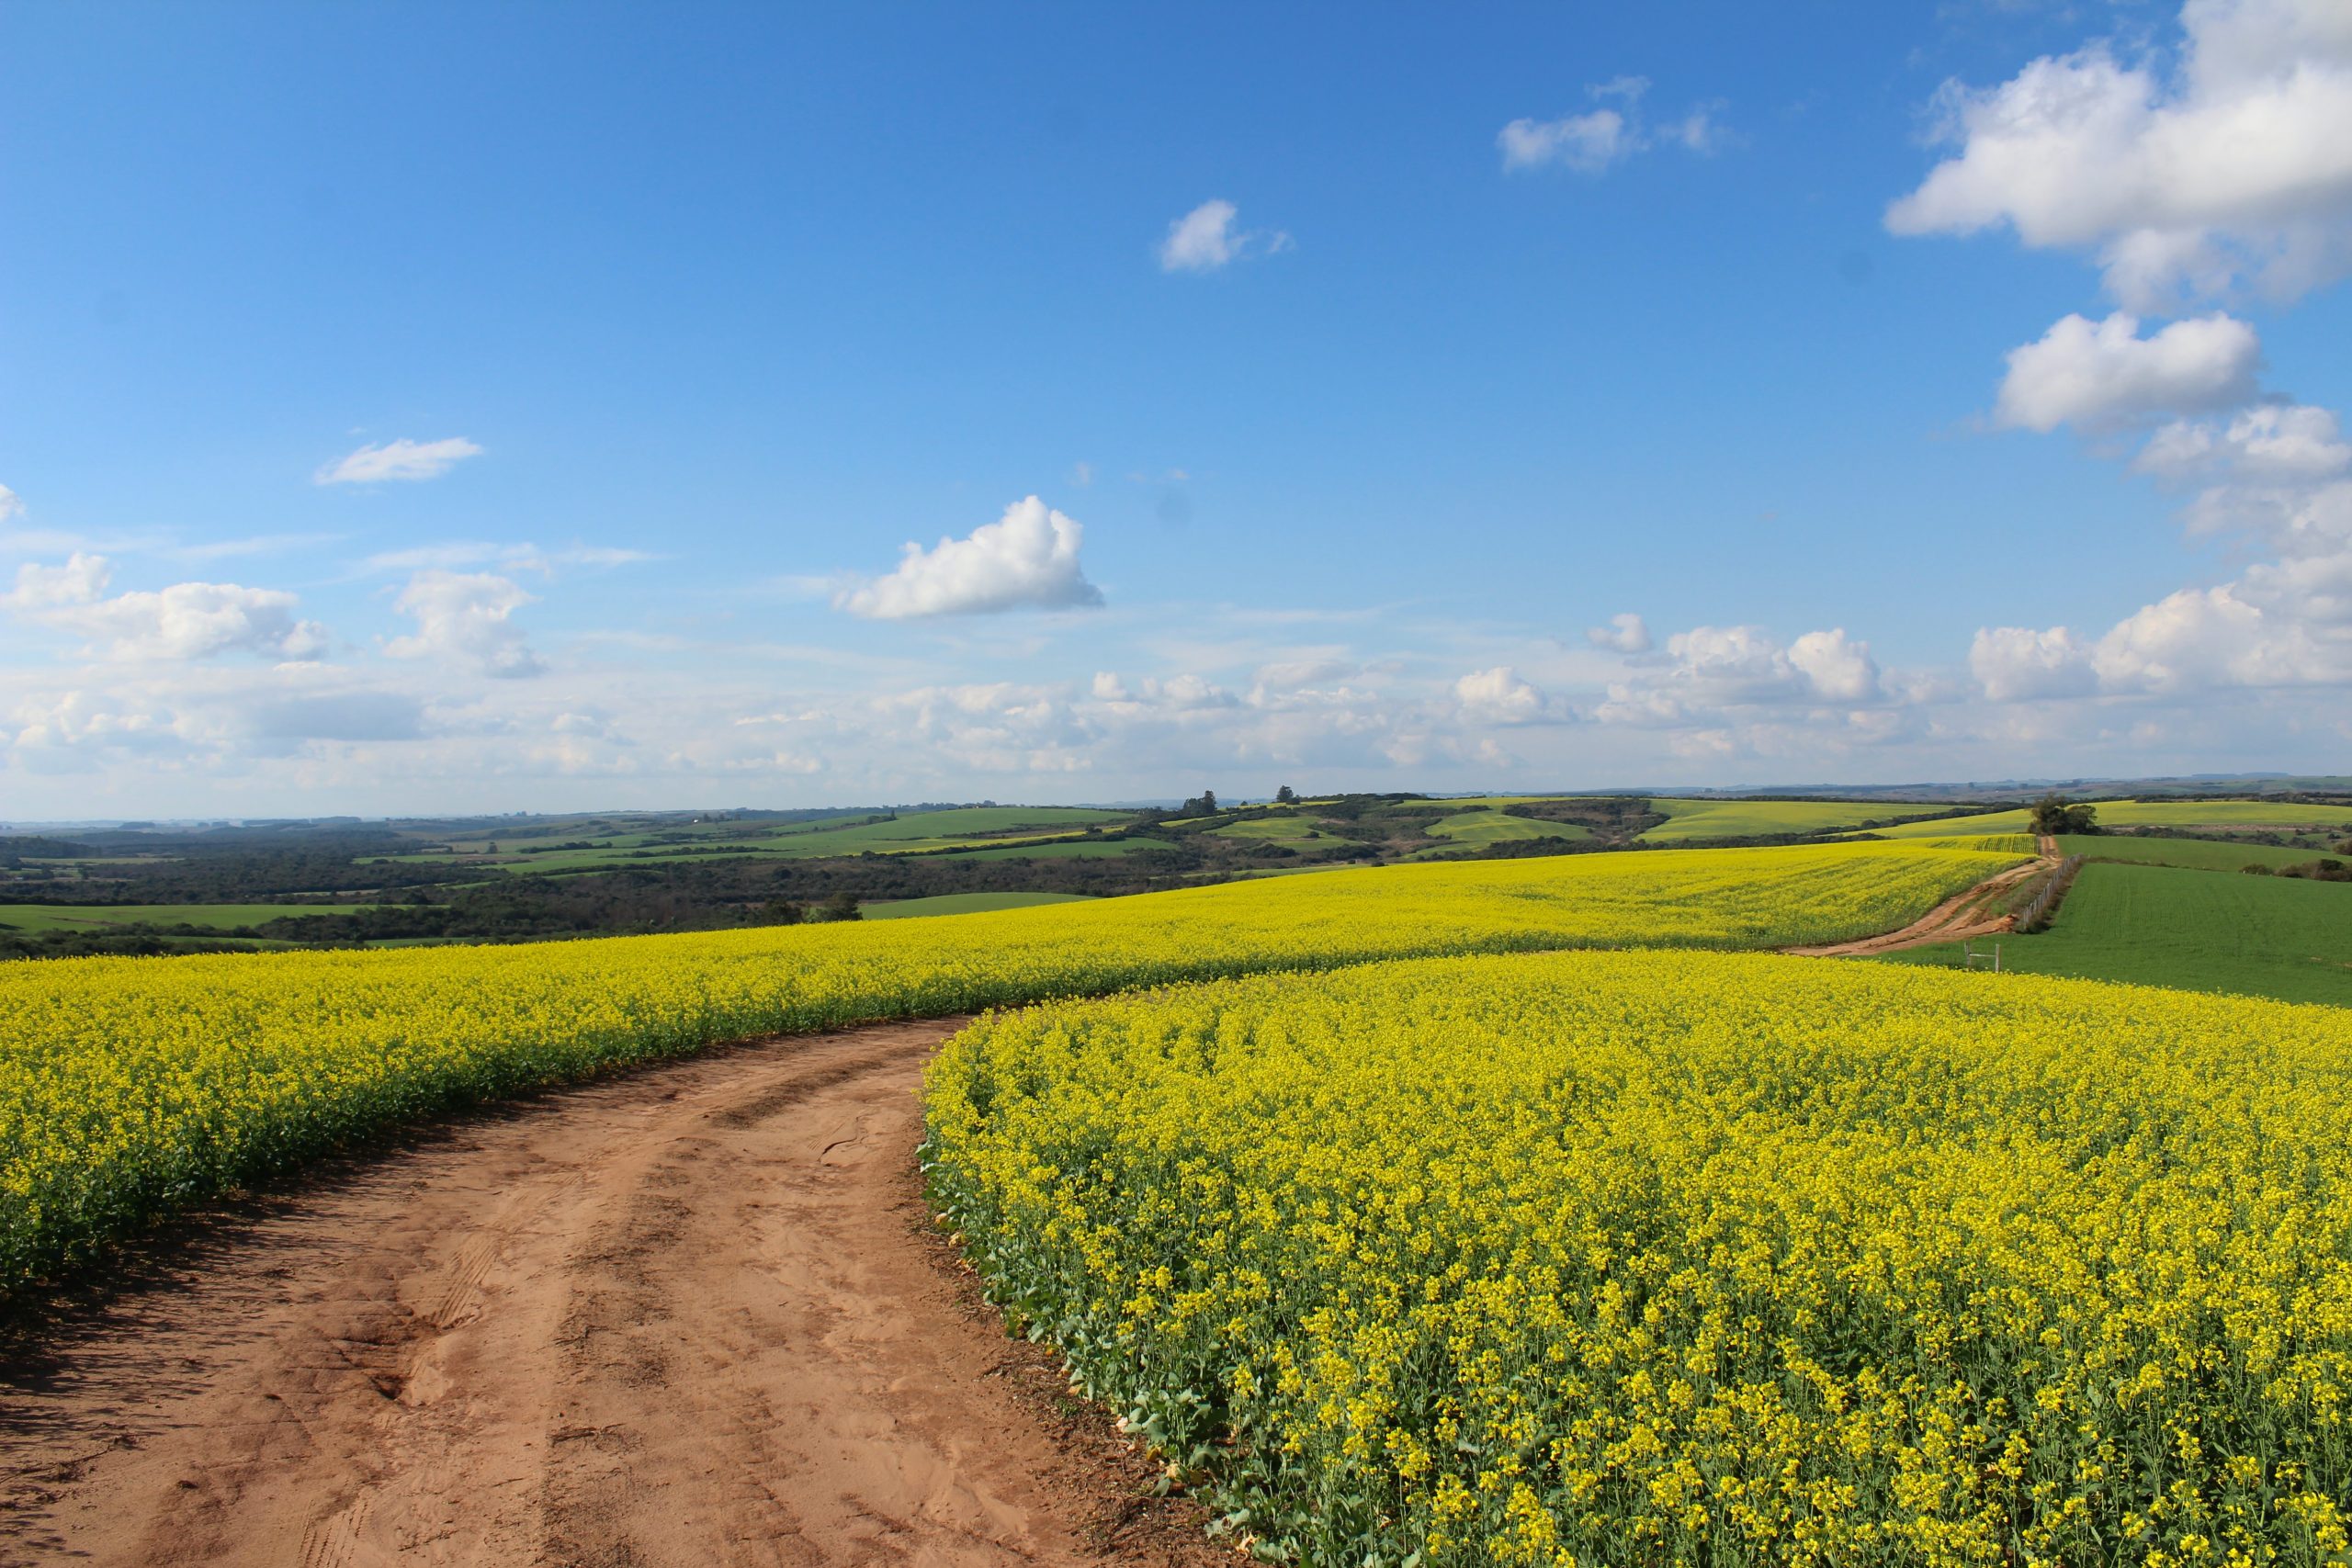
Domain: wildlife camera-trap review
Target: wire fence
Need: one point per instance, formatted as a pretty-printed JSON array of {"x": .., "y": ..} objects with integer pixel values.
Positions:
[{"x": 2044, "y": 905}]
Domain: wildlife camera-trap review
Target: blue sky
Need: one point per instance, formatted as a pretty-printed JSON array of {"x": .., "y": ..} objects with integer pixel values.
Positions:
[{"x": 411, "y": 408}]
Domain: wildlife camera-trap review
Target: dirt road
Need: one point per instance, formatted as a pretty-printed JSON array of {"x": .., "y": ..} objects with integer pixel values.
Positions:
[
  {"x": 693, "y": 1315},
  {"x": 1972, "y": 913}
]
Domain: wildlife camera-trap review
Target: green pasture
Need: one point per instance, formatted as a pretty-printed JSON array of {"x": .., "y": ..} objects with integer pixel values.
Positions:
[
  {"x": 1746, "y": 819},
  {"x": 2274, "y": 815},
  {"x": 964, "y": 903},
  {"x": 100, "y": 917},
  {"x": 2194, "y": 930},
  {"x": 1489, "y": 825},
  {"x": 2197, "y": 854}
]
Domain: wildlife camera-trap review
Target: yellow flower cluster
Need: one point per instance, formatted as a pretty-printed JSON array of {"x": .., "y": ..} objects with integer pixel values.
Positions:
[
  {"x": 1689, "y": 1259},
  {"x": 129, "y": 1086}
]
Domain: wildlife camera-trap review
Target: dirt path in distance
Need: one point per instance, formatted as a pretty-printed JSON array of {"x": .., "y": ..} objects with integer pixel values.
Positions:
[
  {"x": 693, "y": 1315},
  {"x": 1972, "y": 913}
]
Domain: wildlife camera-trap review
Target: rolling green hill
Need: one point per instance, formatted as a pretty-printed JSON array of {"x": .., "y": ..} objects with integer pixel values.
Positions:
[
  {"x": 1741, "y": 818},
  {"x": 1488, "y": 825}
]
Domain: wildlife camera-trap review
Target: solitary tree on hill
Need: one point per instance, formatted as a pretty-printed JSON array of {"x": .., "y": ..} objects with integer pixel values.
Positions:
[{"x": 2055, "y": 814}]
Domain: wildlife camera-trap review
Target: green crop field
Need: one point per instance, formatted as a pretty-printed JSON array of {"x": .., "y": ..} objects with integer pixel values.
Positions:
[
  {"x": 2199, "y": 854},
  {"x": 2193, "y": 931},
  {"x": 965, "y": 904},
  {"x": 101, "y": 917},
  {"x": 2278, "y": 815},
  {"x": 1486, "y": 824},
  {"x": 1743, "y": 819}
]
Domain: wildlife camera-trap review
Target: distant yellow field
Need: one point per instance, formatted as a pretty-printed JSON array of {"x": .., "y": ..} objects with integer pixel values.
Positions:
[{"x": 128, "y": 1085}]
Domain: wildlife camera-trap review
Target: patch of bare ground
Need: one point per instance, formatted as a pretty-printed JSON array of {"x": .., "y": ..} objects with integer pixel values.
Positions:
[{"x": 695, "y": 1314}]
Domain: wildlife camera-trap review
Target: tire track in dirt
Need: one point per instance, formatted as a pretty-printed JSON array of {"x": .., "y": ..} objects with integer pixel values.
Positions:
[{"x": 692, "y": 1315}]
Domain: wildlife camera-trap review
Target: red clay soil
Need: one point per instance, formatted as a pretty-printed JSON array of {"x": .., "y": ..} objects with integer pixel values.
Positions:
[{"x": 693, "y": 1315}]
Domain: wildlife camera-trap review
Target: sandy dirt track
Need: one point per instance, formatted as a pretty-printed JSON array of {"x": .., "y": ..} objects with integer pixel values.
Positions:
[
  {"x": 1970, "y": 913},
  {"x": 691, "y": 1316}
]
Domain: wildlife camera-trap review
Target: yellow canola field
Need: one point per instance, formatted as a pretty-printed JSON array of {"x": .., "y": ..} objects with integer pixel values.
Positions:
[
  {"x": 1689, "y": 1259},
  {"x": 130, "y": 1086},
  {"x": 1991, "y": 843}
]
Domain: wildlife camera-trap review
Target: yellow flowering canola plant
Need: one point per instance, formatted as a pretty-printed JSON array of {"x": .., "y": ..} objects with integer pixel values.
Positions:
[
  {"x": 1696, "y": 1259},
  {"x": 130, "y": 1086}
]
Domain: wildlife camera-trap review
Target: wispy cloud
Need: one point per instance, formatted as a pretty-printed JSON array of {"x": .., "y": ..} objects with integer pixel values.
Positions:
[
  {"x": 1209, "y": 237},
  {"x": 1591, "y": 142},
  {"x": 253, "y": 545},
  {"x": 398, "y": 460},
  {"x": 453, "y": 553}
]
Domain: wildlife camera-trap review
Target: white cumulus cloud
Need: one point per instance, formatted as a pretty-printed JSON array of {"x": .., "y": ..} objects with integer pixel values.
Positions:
[
  {"x": 1025, "y": 560},
  {"x": 185, "y": 621},
  {"x": 2233, "y": 167},
  {"x": 466, "y": 618},
  {"x": 2274, "y": 479},
  {"x": 401, "y": 459},
  {"x": 2272, "y": 441},
  {"x": 2096, "y": 374},
  {"x": 1626, "y": 633},
  {"x": 1499, "y": 696},
  {"x": 2017, "y": 663},
  {"x": 1836, "y": 667},
  {"x": 1710, "y": 671}
]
